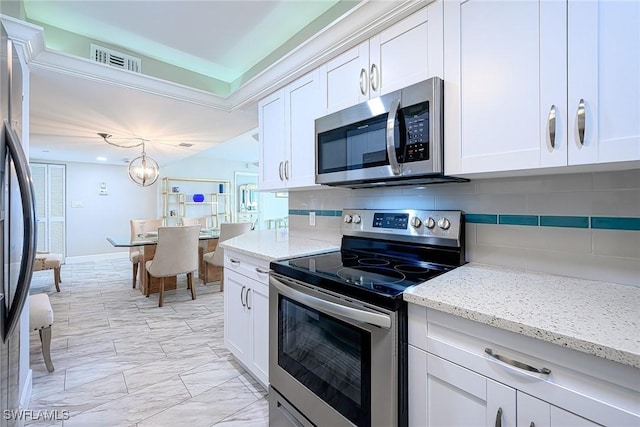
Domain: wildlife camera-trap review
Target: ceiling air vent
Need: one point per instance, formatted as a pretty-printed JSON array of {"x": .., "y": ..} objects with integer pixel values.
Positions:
[{"x": 115, "y": 59}]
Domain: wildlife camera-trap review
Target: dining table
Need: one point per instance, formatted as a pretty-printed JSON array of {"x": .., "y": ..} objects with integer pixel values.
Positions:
[{"x": 208, "y": 241}]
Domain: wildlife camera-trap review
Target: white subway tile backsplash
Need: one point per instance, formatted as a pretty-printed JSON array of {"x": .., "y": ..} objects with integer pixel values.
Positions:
[
  {"x": 592, "y": 267},
  {"x": 617, "y": 180},
  {"x": 497, "y": 255},
  {"x": 616, "y": 203},
  {"x": 561, "y": 203},
  {"x": 536, "y": 184},
  {"x": 615, "y": 243},
  {"x": 483, "y": 203},
  {"x": 552, "y": 239}
]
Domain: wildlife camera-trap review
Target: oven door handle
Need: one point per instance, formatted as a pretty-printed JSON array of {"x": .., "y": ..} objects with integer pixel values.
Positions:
[{"x": 355, "y": 314}]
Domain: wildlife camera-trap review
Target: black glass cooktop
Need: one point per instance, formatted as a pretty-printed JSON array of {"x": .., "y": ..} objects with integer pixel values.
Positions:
[{"x": 370, "y": 277}]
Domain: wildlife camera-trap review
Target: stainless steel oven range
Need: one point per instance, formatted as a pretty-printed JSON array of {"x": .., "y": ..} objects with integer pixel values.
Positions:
[{"x": 338, "y": 323}]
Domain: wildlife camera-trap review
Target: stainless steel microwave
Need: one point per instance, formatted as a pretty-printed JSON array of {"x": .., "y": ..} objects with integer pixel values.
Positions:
[{"x": 395, "y": 139}]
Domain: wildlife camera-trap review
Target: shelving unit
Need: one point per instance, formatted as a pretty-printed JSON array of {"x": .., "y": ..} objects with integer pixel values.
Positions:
[{"x": 217, "y": 206}]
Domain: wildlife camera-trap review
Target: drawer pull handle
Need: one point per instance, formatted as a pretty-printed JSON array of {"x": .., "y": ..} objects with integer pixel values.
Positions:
[
  {"x": 261, "y": 271},
  {"x": 246, "y": 298},
  {"x": 517, "y": 364},
  {"x": 499, "y": 418},
  {"x": 234, "y": 261},
  {"x": 241, "y": 299},
  {"x": 532, "y": 424}
]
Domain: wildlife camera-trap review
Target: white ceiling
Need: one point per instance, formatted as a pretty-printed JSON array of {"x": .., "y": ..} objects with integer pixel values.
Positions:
[{"x": 223, "y": 40}]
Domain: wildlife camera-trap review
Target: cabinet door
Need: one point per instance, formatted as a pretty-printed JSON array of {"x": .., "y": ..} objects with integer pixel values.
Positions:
[
  {"x": 407, "y": 52},
  {"x": 258, "y": 306},
  {"x": 460, "y": 397},
  {"x": 236, "y": 323},
  {"x": 499, "y": 84},
  {"x": 604, "y": 65},
  {"x": 303, "y": 106},
  {"x": 271, "y": 125},
  {"x": 537, "y": 413},
  {"x": 347, "y": 78}
]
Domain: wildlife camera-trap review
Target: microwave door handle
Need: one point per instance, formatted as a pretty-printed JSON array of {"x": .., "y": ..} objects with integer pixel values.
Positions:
[
  {"x": 391, "y": 131},
  {"x": 25, "y": 185},
  {"x": 362, "y": 316}
]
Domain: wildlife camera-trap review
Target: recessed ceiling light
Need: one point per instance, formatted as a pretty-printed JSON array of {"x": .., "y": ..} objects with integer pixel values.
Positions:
[{"x": 101, "y": 159}]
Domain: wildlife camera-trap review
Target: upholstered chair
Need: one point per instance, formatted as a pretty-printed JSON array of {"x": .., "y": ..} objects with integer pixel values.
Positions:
[
  {"x": 176, "y": 253},
  {"x": 200, "y": 220},
  {"x": 216, "y": 258},
  {"x": 140, "y": 227}
]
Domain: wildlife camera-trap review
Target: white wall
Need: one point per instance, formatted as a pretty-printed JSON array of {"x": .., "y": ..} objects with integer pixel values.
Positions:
[
  {"x": 598, "y": 254},
  {"x": 103, "y": 216}
]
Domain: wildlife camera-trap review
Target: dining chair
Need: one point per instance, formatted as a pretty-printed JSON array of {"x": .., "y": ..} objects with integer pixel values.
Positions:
[
  {"x": 200, "y": 220},
  {"x": 176, "y": 253},
  {"x": 139, "y": 227},
  {"x": 216, "y": 258}
]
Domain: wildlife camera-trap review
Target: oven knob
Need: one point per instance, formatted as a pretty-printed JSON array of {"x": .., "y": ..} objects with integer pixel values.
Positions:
[
  {"x": 356, "y": 219},
  {"x": 415, "y": 222},
  {"x": 444, "y": 223},
  {"x": 348, "y": 218},
  {"x": 430, "y": 223}
]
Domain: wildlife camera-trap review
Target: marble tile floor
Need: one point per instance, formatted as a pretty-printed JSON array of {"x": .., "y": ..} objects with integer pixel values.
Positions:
[{"x": 120, "y": 360}]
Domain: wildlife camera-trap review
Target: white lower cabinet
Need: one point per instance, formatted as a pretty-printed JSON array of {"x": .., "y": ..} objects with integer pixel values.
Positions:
[
  {"x": 453, "y": 382},
  {"x": 246, "y": 313}
]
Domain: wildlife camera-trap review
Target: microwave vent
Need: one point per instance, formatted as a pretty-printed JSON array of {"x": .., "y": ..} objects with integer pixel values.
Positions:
[{"x": 115, "y": 59}]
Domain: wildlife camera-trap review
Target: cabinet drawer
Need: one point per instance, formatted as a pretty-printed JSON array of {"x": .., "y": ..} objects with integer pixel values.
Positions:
[
  {"x": 253, "y": 268},
  {"x": 597, "y": 389}
]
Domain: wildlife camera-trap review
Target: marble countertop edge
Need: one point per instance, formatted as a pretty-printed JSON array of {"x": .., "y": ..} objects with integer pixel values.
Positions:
[{"x": 618, "y": 354}]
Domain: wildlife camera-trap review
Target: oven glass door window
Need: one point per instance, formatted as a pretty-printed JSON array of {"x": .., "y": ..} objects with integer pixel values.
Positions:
[{"x": 328, "y": 356}]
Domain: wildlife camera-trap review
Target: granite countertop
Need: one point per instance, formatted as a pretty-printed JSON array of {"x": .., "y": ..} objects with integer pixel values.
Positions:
[
  {"x": 597, "y": 318},
  {"x": 276, "y": 244}
]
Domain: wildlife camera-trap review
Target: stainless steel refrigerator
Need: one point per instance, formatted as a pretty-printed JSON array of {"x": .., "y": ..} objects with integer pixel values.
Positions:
[{"x": 17, "y": 232}]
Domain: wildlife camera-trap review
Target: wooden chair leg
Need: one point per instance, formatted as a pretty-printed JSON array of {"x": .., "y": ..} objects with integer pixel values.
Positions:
[
  {"x": 45, "y": 339},
  {"x": 222, "y": 281},
  {"x": 191, "y": 286},
  {"x": 206, "y": 273},
  {"x": 161, "y": 298},
  {"x": 146, "y": 290},
  {"x": 56, "y": 278},
  {"x": 135, "y": 274}
]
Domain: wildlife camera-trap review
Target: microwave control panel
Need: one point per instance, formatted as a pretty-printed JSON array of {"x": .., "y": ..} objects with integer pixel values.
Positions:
[{"x": 416, "y": 119}]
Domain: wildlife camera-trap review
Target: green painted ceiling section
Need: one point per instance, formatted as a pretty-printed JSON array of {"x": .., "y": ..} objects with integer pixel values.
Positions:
[{"x": 257, "y": 34}]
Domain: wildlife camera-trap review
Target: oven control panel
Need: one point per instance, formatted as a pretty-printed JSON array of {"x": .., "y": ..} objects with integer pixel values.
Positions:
[{"x": 443, "y": 227}]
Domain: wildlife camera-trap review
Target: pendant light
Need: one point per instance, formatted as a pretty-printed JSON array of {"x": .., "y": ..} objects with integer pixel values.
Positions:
[{"x": 143, "y": 170}]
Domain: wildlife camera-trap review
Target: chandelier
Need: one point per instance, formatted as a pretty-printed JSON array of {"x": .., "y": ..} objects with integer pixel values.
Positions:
[{"x": 143, "y": 170}]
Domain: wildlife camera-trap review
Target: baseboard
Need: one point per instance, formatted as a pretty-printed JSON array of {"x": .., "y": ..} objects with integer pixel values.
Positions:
[{"x": 97, "y": 257}]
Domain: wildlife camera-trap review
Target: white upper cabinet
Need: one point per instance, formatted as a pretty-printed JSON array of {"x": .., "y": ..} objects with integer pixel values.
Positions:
[
  {"x": 405, "y": 53},
  {"x": 287, "y": 134},
  {"x": 604, "y": 76},
  {"x": 524, "y": 89}
]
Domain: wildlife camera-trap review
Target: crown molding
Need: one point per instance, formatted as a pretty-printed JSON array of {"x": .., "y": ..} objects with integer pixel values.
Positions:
[{"x": 362, "y": 22}]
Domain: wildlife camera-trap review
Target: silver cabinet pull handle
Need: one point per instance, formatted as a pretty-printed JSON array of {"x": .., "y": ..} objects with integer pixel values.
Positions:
[
  {"x": 374, "y": 78},
  {"x": 286, "y": 170},
  {"x": 246, "y": 298},
  {"x": 363, "y": 81},
  {"x": 242, "y": 299},
  {"x": 552, "y": 126},
  {"x": 391, "y": 130},
  {"x": 581, "y": 120},
  {"x": 234, "y": 261},
  {"x": 532, "y": 424},
  {"x": 515, "y": 363},
  {"x": 499, "y": 418},
  {"x": 261, "y": 271},
  {"x": 280, "y": 171}
]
